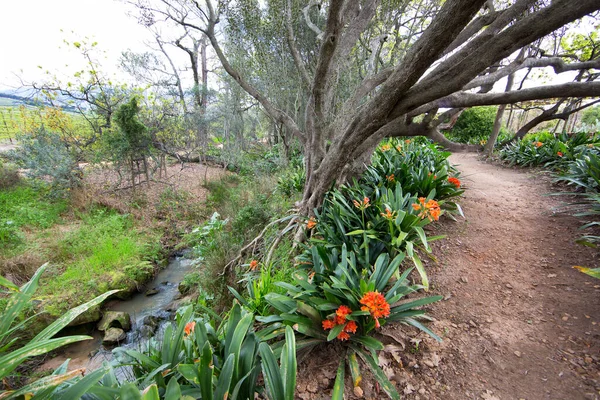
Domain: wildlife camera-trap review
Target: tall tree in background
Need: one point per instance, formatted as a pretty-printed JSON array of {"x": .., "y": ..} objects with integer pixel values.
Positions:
[{"x": 422, "y": 56}]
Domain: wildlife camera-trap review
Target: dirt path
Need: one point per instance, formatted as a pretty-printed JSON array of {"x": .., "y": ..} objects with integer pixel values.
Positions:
[{"x": 519, "y": 322}]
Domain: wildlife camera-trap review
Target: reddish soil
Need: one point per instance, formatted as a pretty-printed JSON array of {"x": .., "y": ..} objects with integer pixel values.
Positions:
[{"x": 517, "y": 321}]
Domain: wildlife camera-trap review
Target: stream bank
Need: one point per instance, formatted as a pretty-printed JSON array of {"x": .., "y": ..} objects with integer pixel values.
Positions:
[{"x": 147, "y": 311}]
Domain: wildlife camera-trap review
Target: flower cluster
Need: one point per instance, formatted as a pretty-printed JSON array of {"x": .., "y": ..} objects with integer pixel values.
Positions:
[
  {"x": 362, "y": 205},
  {"x": 253, "y": 265},
  {"x": 390, "y": 178},
  {"x": 376, "y": 305},
  {"x": 388, "y": 214},
  {"x": 454, "y": 181},
  {"x": 340, "y": 319},
  {"x": 312, "y": 222},
  {"x": 189, "y": 328},
  {"x": 431, "y": 209},
  {"x": 538, "y": 144},
  {"x": 560, "y": 154},
  {"x": 386, "y": 147}
]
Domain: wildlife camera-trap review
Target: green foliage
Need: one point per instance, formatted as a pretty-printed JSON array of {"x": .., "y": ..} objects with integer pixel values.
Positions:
[
  {"x": 593, "y": 272},
  {"x": 378, "y": 214},
  {"x": 45, "y": 155},
  {"x": 544, "y": 149},
  {"x": 420, "y": 168},
  {"x": 252, "y": 215},
  {"x": 334, "y": 297},
  {"x": 198, "y": 359},
  {"x": 23, "y": 206},
  {"x": 292, "y": 181},
  {"x": 260, "y": 283},
  {"x": 473, "y": 125},
  {"x": 11, "y": 327},
  {"x": 105, "y": 252},
  {"x": 591, "y": 115}
]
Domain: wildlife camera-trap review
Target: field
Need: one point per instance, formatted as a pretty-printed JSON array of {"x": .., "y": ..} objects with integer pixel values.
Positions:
[{"x": 16, "y": 118}]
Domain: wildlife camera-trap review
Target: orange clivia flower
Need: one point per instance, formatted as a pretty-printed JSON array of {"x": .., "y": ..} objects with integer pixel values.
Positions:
[
  {"x": 399, "y": 147},
  {"x": 389, "y": 215},
  {"x": 342, "y": 311},
  {"x": 431, "y": 210},
  {"x": 343, "y": 336},
  {"x": 253, "y": 265},
  {"x": 407, "y": 141},
  {"x": 560, "y": 154},
  {"x": 189, "y": 327},
  {"x": 391, "y": 178},
  {"x": 362, "y": 205},
  {"x": 539, "y": 144},
  {"x": 312, "y": 222},
  {"x": 375, "y": 304},
  {"x": 350, "y": 327},
  {"x": 454, "y": 181},
  {"x": 386, "y": 147},
  {"x": 328, "y": 324}
]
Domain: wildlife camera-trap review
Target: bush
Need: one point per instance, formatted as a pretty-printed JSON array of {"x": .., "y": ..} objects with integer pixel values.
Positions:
[
  {"x": 202, "y": 360},
  {"x": 474, "y": 125},
  {"x": 46, "y": 156},
  {"x": 591, "y": 116}
]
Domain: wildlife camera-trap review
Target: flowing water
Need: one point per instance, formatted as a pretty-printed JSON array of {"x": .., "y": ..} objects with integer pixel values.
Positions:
[{"x": 90, "y": 354}]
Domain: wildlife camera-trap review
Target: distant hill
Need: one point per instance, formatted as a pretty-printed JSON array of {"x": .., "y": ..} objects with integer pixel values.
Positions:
[{"x": 13, "y": 100}]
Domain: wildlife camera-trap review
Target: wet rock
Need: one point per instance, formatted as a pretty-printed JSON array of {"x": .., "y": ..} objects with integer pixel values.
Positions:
[
  {"x": 115, "y": 319},
  {"x": 152, "y": 292},
  {"x": 114, "y": 335},
  {"x": 147, "y": 331},
  {"x": 151, "y": 321}
]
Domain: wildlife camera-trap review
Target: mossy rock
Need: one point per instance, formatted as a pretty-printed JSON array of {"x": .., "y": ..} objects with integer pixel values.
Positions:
[
  {"x": 114, "y": 335},
  {"x": 114, "y": 319}
]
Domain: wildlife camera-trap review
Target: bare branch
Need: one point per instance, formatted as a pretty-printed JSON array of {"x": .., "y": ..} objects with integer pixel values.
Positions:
[
  {"x": 464, "y": 99},
  {"x": 310, "y": 24},
  {"x": 556, "y": 63},
  {"x": 293, "y": 49}
]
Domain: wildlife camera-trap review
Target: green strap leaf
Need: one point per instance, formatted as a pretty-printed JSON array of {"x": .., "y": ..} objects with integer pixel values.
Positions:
[
  {"x": 338, "y": 386},
  {"x": 70, "y": 315},
  {"x": 289, "y": 366},
  {"x": 271, "y": 372}
]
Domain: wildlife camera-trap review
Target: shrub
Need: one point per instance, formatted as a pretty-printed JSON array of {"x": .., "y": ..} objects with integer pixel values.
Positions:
[
  {"x": 474, "y": 125},
  {"x": 591, "y": 116},
  {"x": 46, "y": 156},
  {"x": 292, "y": 181}
]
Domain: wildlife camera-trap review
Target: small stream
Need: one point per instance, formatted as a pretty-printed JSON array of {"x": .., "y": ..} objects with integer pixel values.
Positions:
[{"x": 90, "y": 354}]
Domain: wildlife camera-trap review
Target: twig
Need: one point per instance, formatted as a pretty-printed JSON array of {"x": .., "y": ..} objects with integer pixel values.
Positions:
[
  {"x": 253, "y": 244},
  {"x": 278, "y": 239}
]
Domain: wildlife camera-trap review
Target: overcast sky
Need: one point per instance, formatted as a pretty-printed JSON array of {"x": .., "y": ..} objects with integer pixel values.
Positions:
[{"x": 30, "y": 35}]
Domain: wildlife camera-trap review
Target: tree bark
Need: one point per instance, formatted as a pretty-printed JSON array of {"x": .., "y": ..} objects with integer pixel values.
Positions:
[{"x": 489, "y": 146}]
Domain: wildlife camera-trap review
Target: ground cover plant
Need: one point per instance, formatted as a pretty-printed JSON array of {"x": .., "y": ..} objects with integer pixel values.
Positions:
[{"x": 16, "y": 319}]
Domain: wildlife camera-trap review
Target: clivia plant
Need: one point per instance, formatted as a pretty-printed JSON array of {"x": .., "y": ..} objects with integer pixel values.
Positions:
[{"x": 340, "y": 300}]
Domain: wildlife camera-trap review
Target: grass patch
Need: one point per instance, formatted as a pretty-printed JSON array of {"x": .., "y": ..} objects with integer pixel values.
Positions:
[
  {"x": 24, "y": 208},
  {"x": 105, "y": 252}
]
